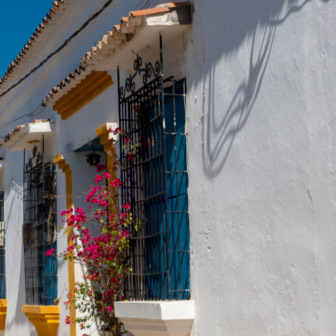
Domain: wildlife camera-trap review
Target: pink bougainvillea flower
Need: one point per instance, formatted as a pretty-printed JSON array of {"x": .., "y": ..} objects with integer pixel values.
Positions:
[
  {"x": 68, "y": 320},
  {"x": 118, "y": 130},
  {"x": 127, "y": 206},
  {"x": 107, "y": 175},
  {"x": 130, "y": 157},
  {"x": 100, "y": 167},
  {"x": 104, "y": 251},
  {"x": 50, "y": 252},
  {"x": 116, "y": 183}
]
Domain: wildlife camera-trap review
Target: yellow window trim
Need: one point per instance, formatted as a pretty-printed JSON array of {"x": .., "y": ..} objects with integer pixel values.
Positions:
[
  {"x": 105, "y": 135},
  {"x": 60, "y": 161},
  {"x": 87, "y": 90},
  {"x": 3, "y": 314},
  {"x": 45, "y": 319}
]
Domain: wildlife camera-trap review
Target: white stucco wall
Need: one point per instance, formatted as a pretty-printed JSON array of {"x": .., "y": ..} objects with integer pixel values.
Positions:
[
  {"x": 16, "y": 321},
  {"x": 260, "y": 123},
  {"x": 261, "y": 158}
]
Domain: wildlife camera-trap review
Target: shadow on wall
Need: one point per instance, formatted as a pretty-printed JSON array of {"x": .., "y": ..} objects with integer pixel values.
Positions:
[
  {"x": 16, "y": 321},
  {"x": 238, "y": 24},
  {"x": 20, "y": 320}
]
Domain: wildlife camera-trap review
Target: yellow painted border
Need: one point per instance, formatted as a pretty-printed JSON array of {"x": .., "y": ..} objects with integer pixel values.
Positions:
[
  {"x": 45, "y": 319},
  {"x": 3, "y": 314},
  {"x": 60, "y": 161},
  {"x": 105, "y": 137},
  {"x": 88, "y": 89}
]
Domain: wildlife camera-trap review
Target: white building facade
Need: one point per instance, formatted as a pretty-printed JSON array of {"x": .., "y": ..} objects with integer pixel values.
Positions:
[{"x": 239, "y": 97}]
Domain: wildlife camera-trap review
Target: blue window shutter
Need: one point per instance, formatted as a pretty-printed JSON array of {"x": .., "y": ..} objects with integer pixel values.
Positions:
[
  {"x": 177, "y": 187},
  {"x": 155, "y": 210}
]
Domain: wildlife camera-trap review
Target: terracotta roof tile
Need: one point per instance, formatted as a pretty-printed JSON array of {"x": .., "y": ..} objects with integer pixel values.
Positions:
[
  {"x": 114, "y": 38},
  {"x": 149, "y": 11},
  {"x": 17, "y": 129}
]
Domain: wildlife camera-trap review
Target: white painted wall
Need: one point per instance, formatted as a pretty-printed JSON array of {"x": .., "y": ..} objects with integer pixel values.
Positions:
[
  {"x": 16, "y": 321},
  {"x": 261, "y": 125}
]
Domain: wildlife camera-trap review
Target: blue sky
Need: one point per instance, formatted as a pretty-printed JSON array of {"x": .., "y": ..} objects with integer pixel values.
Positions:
[{"x": 18, "y": 22}]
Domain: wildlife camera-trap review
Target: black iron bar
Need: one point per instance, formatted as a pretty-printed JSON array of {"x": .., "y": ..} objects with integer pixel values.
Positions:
[
  {"x": 142, "y": 163},
  {"x": 174, "y": 95},
  {"x": 177, "y": 186},
  {"x": 179, "y": 251},
  {"x": 145, "y": 186},
  {"x": 38, "y": 181},
  {"x": 178, "y": 211},
  {"x": 151, "y": 273},
  {"x": 149, "y": 198},
  {"x": 148, "y": 124},
  {"x": 183, "y": 290},
  {"x": 150, "y": 236}
]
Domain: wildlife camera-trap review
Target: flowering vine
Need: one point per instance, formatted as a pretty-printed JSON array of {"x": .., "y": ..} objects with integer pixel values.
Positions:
[{"x": 104, "y": 255}]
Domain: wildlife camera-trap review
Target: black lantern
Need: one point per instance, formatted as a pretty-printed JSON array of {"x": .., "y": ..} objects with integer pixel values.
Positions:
[{"x": 93, "y": 159}]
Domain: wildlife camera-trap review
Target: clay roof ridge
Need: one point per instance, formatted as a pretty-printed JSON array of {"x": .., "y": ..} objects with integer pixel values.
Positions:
[
  {"x": 17, "y": 129},
  {"x": 114, "y": 38}
]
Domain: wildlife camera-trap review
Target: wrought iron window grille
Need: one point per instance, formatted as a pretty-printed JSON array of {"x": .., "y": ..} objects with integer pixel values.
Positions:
[
  {"x": 155, "y": 183},
  {"x": 39, "y": 230},
  {"x": 147, "y": 71}
]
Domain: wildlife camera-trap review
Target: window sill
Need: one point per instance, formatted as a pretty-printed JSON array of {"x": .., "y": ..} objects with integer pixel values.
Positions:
[
  {"x": 44, "y": 318},
  {"x": 153, "y": 318},
  {"x": 3, "y": 314}
]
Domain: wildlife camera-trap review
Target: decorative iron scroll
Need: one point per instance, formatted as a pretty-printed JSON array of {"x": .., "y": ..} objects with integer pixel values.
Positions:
[
  {"x": 147, "y": 71},
  {"x": 37, "y": 157}
]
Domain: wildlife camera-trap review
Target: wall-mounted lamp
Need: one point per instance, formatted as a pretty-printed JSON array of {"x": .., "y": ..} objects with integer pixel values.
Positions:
[{"x": 93, "y": 159}]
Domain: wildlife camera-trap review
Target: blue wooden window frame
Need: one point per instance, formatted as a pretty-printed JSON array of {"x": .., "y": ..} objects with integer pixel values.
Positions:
[{"x": 156, "y": 185}]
